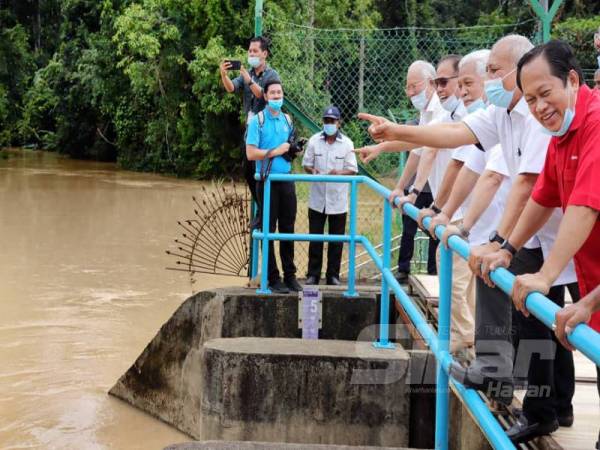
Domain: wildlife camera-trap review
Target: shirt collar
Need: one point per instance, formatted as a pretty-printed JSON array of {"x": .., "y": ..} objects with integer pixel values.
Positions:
[
  {"x": 521, "y": 108},
  {"x": 269, "y": 115},
  {"x": 581, "y": 106},
  {"x": 434, "y": 103},
  {"x": 338, "y": 135},
  {"x": 253, "y": 71}
]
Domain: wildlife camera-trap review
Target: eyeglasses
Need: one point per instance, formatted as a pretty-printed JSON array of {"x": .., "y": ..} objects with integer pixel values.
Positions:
[{"x": 443, "y": 81}]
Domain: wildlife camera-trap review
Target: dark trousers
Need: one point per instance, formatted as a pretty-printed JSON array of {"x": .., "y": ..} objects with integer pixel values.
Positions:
[
  {"x": 547, "y": 365},
  {"x": 316, "y": 225},
  {"x": 249, "y": 171},
  {"x": 407, "y": 241},
  {"x": 282, "y": 217}
]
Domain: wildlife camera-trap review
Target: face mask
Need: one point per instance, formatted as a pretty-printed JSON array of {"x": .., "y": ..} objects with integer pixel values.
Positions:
[
  {"x": 496, "y": 94},
  {"x": 567, "y": 119},
  {"x": 419, "y": 101},
  {"x": 476, "y": 106},
  {"x": 451, "y": 103},
  {"x": 276, "y": 104},
  {"x": 598, "y": 61},
  {"x": 254, "y": 61},
  {"x": 330, "y": 129}
]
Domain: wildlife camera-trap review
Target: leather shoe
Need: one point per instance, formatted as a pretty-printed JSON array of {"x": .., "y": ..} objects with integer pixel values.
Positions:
[
  {"x": 523, "y": 430},
  {"x": 293, "y": 284},
  {"x": 277, "y": 287},
  {"x": 311, "y": 280},
  {"x": 565, "y": 420},
  {"x": 333, "y": 281},
  {"x": 402, "y": 277},
  {"x": 498, "y": 389}
]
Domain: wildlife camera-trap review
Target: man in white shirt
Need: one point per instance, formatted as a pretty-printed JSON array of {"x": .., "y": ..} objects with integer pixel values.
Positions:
[
  {"x": 328, "y": 153},
  {"x": 508, "y": 123}
]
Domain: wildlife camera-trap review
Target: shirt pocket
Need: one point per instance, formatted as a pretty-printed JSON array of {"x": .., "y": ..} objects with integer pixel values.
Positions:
[
  {"x": 569, "y": 175},
  {"x": 320, "y": 162},
  {"x": 338, "y": 162}
]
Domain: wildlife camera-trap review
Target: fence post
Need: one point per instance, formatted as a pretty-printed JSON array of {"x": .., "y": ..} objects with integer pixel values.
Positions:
[
  {"x": 384, "y": 310},
  {"x": 442, "y": 393},
  {"x": 264, "y": 268},
  {"x": 258, "y": 11},
  {"x": 351, "y": 292},
  {"x": 545, "y": 16}
]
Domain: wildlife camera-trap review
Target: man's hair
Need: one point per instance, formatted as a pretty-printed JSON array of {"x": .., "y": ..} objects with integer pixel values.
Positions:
[
  {"x": 560, "y": 57},
  {"x": 479, "y": 58},
  {"x": 518, "y": 45},
  {"x": 264, "y": 42},
  {"x": 270, "y": 83},
  {"x": 453, "y": 59},
  {"x": 427, "y": 69}
]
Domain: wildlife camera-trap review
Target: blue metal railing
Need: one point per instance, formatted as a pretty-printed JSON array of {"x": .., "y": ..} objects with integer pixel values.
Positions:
[{"x": 583, "y": 337}]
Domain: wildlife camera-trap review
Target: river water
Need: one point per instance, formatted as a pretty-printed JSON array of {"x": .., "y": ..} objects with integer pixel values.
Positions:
[{"x": 83, "y": 289}]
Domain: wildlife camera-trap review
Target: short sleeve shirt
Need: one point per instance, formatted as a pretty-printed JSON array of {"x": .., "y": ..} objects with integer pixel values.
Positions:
[
  {"x": 274, "y": 132},
  {"x": 252, "y": 104},
  {"x": 329, "y": 198},
  {"x": 570, "y": 177}
]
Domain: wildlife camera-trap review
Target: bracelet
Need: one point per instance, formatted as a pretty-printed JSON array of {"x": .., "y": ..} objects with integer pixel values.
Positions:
[
  {"x": 415, "y": 191},
  {"x": 509, "y": 248},
  {"x": 463, "y": 231},
  {"x": 435, "y": 209}
]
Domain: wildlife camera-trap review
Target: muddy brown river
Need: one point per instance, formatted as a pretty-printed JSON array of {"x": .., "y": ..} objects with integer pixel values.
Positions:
[{"x": 83, "y": 288}]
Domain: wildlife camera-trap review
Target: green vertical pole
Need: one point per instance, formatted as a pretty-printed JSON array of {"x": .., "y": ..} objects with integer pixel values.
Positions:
[
  {"x": 546, "y": 16},
  {"x": 258, "y": 19}
]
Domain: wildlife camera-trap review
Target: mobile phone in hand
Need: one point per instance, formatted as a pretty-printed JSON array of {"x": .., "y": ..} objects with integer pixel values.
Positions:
[{"x": 235, "y": 65}]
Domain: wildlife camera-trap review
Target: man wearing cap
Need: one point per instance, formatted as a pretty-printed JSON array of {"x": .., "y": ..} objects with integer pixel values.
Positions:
[{"x": 328, "y": 152}]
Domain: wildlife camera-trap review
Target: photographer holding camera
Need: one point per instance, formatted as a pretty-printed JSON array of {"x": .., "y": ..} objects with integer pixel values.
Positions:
[
  {"x": 270, "y": 142},
  {"x": 328, "y": 153},
  {"x": 252, "y": 84}
]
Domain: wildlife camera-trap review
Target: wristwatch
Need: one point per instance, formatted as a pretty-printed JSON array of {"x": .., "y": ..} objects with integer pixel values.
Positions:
[
  {"x": 508, "y": 247},
  {"x": 463, "y": 231},
  {"x": 495, "y": 237},
  {"x": 415, "y": 191},
  {"x": 434, "y": 208},
  {"x": 251, "y": 82}
]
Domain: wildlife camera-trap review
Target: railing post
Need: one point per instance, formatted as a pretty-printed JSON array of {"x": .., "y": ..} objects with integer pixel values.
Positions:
[
  {"x": 264, "y": 268},
  {"x": 442, "y": 393},
  {"x": 351, "y": 292},
  {"x": 384, "y": 310}
]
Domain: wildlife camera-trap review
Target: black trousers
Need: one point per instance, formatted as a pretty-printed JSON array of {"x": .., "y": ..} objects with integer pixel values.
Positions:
[
  {"x": 316, "y": 225},
  {"x": 249, "y": 171},
  {"x": 504, "y": 335},
  {"x": 282, "y": 217},
  {"x": 407, "y": 241}
]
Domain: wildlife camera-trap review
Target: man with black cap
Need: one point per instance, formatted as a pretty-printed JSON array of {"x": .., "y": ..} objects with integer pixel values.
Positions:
[{"x": 328, "y": 152}]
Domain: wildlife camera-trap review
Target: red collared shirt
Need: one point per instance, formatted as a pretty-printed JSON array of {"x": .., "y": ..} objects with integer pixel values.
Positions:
[{"x": 571, "y": 176}]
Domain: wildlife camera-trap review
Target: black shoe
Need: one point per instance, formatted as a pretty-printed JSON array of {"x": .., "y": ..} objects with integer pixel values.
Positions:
[
  {"x": 402, "y": 277},
  {"x": 565, "y": 420},
  {"x": 293, "y": 284},
  {"x": 498, "y": 389},
  {"x": 524, "y": 431},
  {"x": 311, "y": 280},
  {"x": 333, "y": 281},
  {"x": 277, "y": 287}
]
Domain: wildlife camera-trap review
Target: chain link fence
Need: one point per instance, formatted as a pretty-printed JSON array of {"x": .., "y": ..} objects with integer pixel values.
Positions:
[{"x": 364, "y": 70}]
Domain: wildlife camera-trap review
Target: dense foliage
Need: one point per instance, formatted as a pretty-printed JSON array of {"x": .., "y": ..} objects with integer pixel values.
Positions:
[{"x": 137, "y": 81}]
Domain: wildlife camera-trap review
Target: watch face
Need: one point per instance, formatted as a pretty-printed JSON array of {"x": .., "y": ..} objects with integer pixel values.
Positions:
[{"x": 493, "y": 235}]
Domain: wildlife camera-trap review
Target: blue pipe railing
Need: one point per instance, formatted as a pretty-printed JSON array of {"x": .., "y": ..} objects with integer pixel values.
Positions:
[{"x": 583, "y": 337}]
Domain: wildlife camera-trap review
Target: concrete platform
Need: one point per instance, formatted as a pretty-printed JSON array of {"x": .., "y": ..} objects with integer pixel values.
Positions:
[
  {"x": 220, "y": 445},
  {"x": 302, "y": 391}
]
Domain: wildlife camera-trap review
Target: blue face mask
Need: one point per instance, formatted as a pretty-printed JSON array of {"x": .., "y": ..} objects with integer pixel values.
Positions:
[
  {"x": 496, "y": 94},
  {"x": 476, "y": 106},
  {"x": 330, "y": 129},
  {"x": 275, "y": 104},
  {"x": 568, "y": 117},
  {"x": 419, "y": 101},
  {"x": 451, "y": 103},
  {"x": 254, "y": 61}
]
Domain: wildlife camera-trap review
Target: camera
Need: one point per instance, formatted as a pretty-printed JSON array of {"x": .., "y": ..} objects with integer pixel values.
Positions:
[{"x": 296, "y": 147}]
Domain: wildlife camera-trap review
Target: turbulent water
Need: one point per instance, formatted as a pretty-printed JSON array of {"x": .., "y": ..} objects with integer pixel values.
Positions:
[{"x": 83, "y": 288}]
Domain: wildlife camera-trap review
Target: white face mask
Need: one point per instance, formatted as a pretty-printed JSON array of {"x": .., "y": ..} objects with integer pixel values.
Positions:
[
  {"x": 420, "y": 101},
  {"x": 451, "y": 103}
]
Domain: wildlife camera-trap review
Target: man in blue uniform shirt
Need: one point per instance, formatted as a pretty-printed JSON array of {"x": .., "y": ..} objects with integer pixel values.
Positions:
[{"x": 267, "y": 144}]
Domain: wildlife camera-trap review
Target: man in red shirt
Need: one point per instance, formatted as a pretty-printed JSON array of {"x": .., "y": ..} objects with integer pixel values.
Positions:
[{"x": 552, "y": 83}]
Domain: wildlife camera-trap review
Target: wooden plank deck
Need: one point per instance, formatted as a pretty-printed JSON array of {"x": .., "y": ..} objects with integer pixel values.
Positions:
[{"x": 584, "y": 432}]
